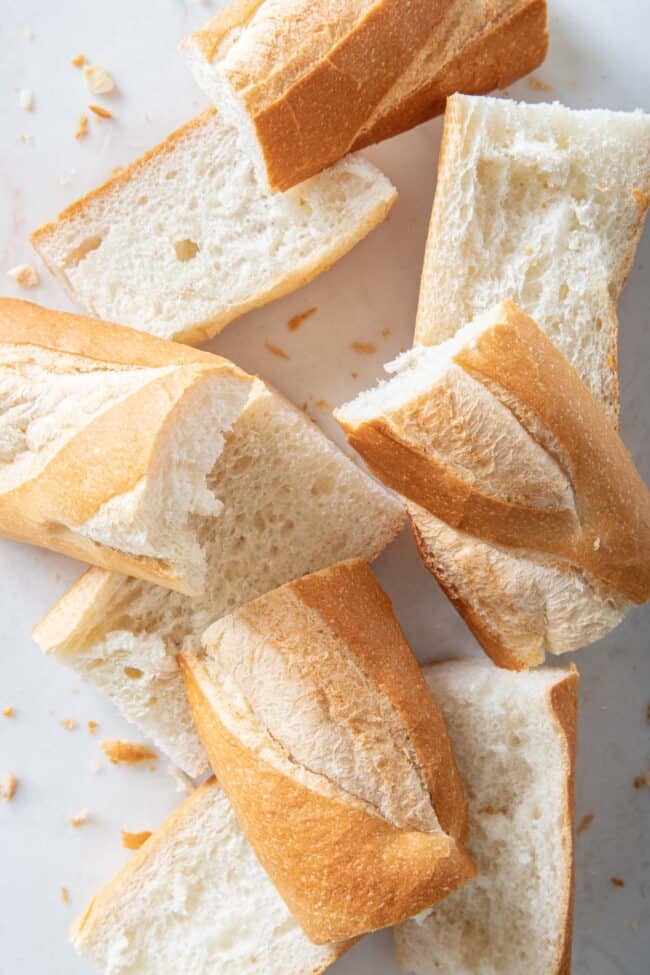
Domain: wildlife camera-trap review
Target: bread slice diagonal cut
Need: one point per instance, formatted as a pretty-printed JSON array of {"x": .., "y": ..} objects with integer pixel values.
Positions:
[
  {"x": 304, "y": 83},
  {"x": 185, "y": 240},
  {"x": 105, "y": 457},
  {"x": 292, "y": 503},
  {"x": 195, "y": 899},
  {"x": 514, "y": 737},
  {"x": 314, "y": 715}
]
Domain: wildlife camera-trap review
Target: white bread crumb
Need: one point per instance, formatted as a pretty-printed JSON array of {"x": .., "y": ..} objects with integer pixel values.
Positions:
[
  {"x": 97, "y": 79},
  {"x": 183, "y": 781},
  {"x": 8, "y": 786},
  {"x": 79, "y": 818},
  {"x": 25, "y": 275},
  {"x": 26, "y": 99}
]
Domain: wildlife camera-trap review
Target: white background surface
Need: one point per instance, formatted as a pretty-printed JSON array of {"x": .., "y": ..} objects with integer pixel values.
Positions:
[{"x": 599, "y": 57}]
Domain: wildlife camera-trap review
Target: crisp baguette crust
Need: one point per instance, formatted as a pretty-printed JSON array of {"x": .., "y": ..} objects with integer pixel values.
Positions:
[
  {"x": 607, "y": 534},
  {"x": 111, "y": 453},
  {"x": 314, "y": 95}
]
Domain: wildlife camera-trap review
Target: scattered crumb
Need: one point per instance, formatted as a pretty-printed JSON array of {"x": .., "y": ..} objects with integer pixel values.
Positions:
[
  {"x": 585, "y": 823},
  {"x": 642, "y": 781},
  {"x": 640, "y": 198},
  {"x": 276, "y": 350},
  {"x": 128, "y": 752},
  {"x": 8, "y": 786},
  {"x": 8, "y": 712},
  {"x": 538, "y": 85},
  {"x": 80, "y": 818},
  {"x": 133, "y": 841},
  {"x": 101, "y": 111},
  {"x": 183, "y": 781},
  {"x": 118, "y": 170},
  {"x": 69, "y": 724},
  {"x": 65, "y": 895},
  {"x": 24, "y": 137},
  {"x": 617, "y": 881},
  {"x": 94, "y": 766},
  {"x": 355, "y": 375},
  {"x": 28, "y": 32},
  {"x": 294, "y": 323},
  {"x": 365, "y": 348},
  {"x": 92, "y": 727},
  {"x": 322, "y": 404},
  {"x": 24, "y": 275},
  {"x": 98, "y": 79},
  {"x": 78, "y": 60},
  {"x": 26, "y": 99},
  {"x": 82, "y": 127},
  {"x": 385, "y": 332}
]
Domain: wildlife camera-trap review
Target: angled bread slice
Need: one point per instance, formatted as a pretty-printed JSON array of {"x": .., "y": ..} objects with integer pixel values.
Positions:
[
  {"x": 323, "y": 733},
  {"x": 106, "y": 440},
  {"x": 514, "y": 738},
  {"x": 305, "y": 82},
  {"x": 543, "y": 205},
  {"x": 185, "y": 240},
  {"x": 494, "y": 433},
  {"x": 195, "y": 899},
  {"x": 293, "y": 503}
]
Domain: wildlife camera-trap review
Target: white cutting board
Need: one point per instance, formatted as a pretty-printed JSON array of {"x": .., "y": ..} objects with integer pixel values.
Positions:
[{"x": 598, "y": 58}]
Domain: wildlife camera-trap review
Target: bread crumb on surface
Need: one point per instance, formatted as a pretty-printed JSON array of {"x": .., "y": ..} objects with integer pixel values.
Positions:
[
  {"x": 355, "y": 375},
  {"x": 183, "y": 781},
  {"x": 92, "y": 727},
  {"x": 8, "y": 786},
  {"x": 642, "y": 781},
  {"x": 585, "y": 823},
  {"x": 294, "y": 323},
  {"x": 98, "y": 79},
  {"x": 25, "y": 275},
  {"x": 101, "y": 111},
  {"x": 82, "y": 127},
  {"x": 276, "y": 350},
  {"x": 538, "y": 85},
  {"x": 94, "y": 766},
  {"x": 617, "y": 881},
  {"x": 80, "y": 818},
  {"x": 133, "y": 841},
  {"x": 65, "y": 895},
  {"x": 8, "y": 712},
  {"x": 69, "y": 724},
  {"x": 365, "y": 348},
  {"x": 26, "y": 99},
  {"x": 78, "y": 60},
  {"x": 385, "y": 332},
  {"x": 24, "y": 137},
  {"x": 323, "y": 404},
  {"x": 127, "y": 752}
]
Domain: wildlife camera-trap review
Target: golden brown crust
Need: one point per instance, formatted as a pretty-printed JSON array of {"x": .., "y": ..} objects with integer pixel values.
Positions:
[
  {"x": 111, "y": 453},
  {"x": 210, "y": 36},
  {"x": 608, "y": 534},
  {"x": 341, "y": 870}
]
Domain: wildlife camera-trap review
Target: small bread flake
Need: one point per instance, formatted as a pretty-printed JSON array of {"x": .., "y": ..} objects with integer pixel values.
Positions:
[
  {"x": 94, "y": 766},
  {"x": 294, "y": 323},
  {"x": 8, "y": 786},
  {"x": 538, "y": 85},
  {"x": 24, "y": 275},
  {"x": 8, "y": 712},
  {"x": 82, "y": 127},
  {"x": 24, "y": 137},
  {"x": 585, "y": 823},
  {"x": 133, "y": 841},
  {"x": 355, "y": 375},
  {"x": 26, "y": 99},
  {"x": 97, "y": 79},
  {"x": 617, "y": 881},
  {"x": 65, "y": 895},
  {"x": 78, "y": 60},
  {"x": 276, "y": 350},
  {"x": 80, "y": 818},
  {"x": 101, "y": 111},
  {"x": 128, "y": 752},
  {"x": 183, "y": 781},
  {"x": 642, "y": 781},
  {"x": 68, "y": 724},
  {"x": 385, "y": 332},
  {"x": 92, "y": 727},
  {"x": 364, "y": 348}
]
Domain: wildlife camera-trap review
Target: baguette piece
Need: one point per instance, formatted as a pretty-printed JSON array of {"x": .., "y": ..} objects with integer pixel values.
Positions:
[
  {"x": 293, "y": 503},
  {"x": 317, "y": 722},
  {"x": 106, "y": 440},
  {"x": 304, "y": 83},
  {"x": 544, "y": 205},
  {"x": 195, "y": 899},
  {"x": 494, "y": 433},
  {"x": 514, "y": 736},
  {"x": 185, "y": 239}
]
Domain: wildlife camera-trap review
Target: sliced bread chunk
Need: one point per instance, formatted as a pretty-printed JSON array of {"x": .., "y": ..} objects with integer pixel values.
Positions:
[
  {"x": 514, "y": 739},
  {"x": 326, "y": 739},
  {"x": 306, "y": 82},
  {"x": 292, "y": 503},
  {"x": 106, "y": 440},
  {"x": 543, "y": 205},
  {"x": 495, "y": 434},
  {"x": 194, "y": 899},
  {"x": 185, "y": 239}
]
